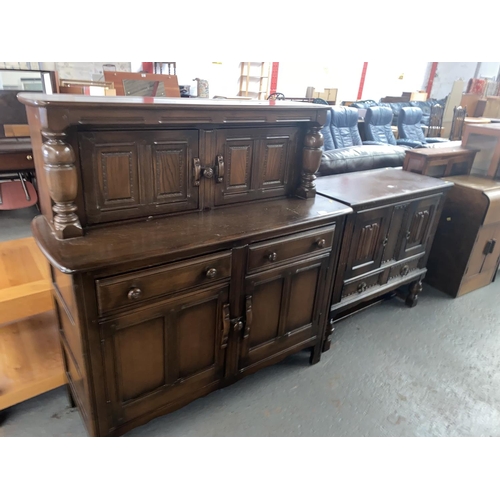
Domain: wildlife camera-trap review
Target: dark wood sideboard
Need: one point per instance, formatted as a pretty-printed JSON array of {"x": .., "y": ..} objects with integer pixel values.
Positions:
[
  {"x": 186, "y": 244},
  {"x": 387, "y": 237}
]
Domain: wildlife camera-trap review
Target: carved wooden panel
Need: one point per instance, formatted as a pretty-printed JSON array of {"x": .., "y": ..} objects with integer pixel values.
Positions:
[
  {"x": 283, "y": 304},
  {"x": 157, "y": 355},
  {"x": 257, "y": 163},
  {"x": 134, "y": 173},
  {"x": 418, "y": 225},
  {"x": 171, "y": 170},
  {"x": 368, "y": 242}
]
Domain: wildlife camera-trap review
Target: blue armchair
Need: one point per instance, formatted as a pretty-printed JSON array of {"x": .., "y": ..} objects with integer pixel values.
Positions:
[
  {"x": 410, "y": 129},
  {"x": 378, "y": 129}
]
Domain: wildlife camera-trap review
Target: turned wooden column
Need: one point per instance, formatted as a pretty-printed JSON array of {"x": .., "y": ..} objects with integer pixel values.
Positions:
[
  {"x": 62, "y": 181},
  {"x": 311, "y": 159}
]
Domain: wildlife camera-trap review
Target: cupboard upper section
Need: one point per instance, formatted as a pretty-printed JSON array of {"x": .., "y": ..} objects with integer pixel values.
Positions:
[{"x": 113, "y": 159}]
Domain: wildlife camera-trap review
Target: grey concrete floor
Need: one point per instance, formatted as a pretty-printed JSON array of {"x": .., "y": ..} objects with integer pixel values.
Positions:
[
  {"x": 16, "y": 223},
  {"x": 392, "y": 371}
]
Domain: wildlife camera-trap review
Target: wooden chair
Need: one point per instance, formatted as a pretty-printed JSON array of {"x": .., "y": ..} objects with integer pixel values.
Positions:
[
  {"x": 276, "y": 96},
  {"x": 15, "y": 194},
  {"x": 457, "y": 124},
  {"x": 435, "y": 121}
]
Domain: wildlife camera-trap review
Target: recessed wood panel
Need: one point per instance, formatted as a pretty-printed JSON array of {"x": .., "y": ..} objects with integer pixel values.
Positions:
[
  {"x": 274, "y": 163},
  {"x": 368, "y": 241},
  {"x": 302, "y": 298},
  {"x": 197, "y": 330},
  {"x": 266, "y": 305},
  {"x": 239, "y": 159},
  {"x": 170, "y": 171},
  {"x": 117, "y": 176},
  {"x": 140, "y": 358}
]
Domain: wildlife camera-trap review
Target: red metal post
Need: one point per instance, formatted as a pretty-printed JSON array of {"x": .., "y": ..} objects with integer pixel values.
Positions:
[
  {"x": 147, "y": 67},
  {"x": 362, "y": 81},
  {"x": 431, "y": 79},
  {"x": 274, "y": 77}
]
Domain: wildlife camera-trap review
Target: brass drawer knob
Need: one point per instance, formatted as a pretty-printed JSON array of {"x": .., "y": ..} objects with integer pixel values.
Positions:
[
  {"x": 238, "y": 326},
  {"x": 134, "y": 293},
  {"x": 404, "y": 271},
  {"x": 362, "y": 287},
  {"x": 211, "y": 273},
  {"x": 321, "y": 243},
  {"x": 29, "y": 157},
  {"x": 272, "y": 257}
]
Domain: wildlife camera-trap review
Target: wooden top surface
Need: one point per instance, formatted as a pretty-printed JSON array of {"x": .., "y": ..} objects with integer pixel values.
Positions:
[
  {"x": 451, "y": 151},
  {"x": 475, "y": 182},
  {"x": 370, "y": 186},
  {"x": 182, "y": 236},
  {"x": 493, "y": 127},
  {"x": 43, "y": 100}
]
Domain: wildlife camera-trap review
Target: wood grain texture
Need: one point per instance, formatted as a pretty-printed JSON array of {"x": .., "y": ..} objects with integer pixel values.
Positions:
[
  {"x": 25, "y": 286},
  {"x": 30, "y": 359}
]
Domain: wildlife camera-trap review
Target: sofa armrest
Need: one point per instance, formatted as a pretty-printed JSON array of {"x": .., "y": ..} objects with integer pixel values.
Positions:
[
  {"x": 432, "y": 140},
  {"x": 409, "y": 143}
]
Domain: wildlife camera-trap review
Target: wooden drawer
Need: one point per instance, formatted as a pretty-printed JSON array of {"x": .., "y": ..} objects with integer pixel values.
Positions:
[
  {"x": 17, "y": 161},
  {"x": 403, "y": 269},
  {"x": 132, "y": 288},
  {"x": 275, "y": 252},
  {"x": 361, "y": 286}
]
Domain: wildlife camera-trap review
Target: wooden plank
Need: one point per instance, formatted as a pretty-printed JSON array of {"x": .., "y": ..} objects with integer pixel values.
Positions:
[
  {"x": 25, "y": 286},
  {"x": 25, "y": 300},
  {"x": 30, "y": 359}
]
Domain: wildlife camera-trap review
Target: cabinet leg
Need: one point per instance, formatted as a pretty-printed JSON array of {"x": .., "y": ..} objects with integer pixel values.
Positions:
[
  {"x": 315, "y": 354},
  {"x": 72, "y": 403},
  {"x": 329, "y": 332},
  {"x": 412, "y": 297}
]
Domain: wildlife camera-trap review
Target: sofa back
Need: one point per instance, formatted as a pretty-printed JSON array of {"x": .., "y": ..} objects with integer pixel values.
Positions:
[
  {"x": 378, "y": 121},
  {"x": 341, "y": 128},
  {"x": 409, "y": 124}
]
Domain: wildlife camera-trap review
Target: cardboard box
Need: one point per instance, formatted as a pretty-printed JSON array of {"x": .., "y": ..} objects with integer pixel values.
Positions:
[{"x": 16, "y": 130}]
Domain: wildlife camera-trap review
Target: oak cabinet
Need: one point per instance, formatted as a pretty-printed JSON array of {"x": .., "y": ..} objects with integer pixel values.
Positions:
[
  {"x": 388, "y": 236},
  {"x": 187, "y": 246}
]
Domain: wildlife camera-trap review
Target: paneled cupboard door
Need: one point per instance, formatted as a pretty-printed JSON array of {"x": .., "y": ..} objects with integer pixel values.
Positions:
[
  {"x": 282, "y": 309},
  {"x": 418, "y": 226},
  {"x": 369, "y": 239},
  {"x": 158, "y": 355},
  {"x": 132, "y": 174},
  {"x": 256, "y": 163}
]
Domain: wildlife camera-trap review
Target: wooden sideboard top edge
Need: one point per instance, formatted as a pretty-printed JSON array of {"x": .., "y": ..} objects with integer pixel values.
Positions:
[
  {"x": 113, "y": 245},
  {"x": 385, "y": 184}
]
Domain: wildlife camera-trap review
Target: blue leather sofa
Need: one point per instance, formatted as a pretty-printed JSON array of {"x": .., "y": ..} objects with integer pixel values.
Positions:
[
  {"x": 410, "y": 129},
  {"x": 344, "y": 151}
]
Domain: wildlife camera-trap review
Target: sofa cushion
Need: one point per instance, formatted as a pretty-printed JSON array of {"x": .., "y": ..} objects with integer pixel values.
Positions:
[{"x": 351, "y": 159}]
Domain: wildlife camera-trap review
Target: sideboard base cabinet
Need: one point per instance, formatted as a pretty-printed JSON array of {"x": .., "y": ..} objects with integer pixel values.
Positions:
[
  {"x": 387, "y": 237},
  {"x": 186, "y": 244}
]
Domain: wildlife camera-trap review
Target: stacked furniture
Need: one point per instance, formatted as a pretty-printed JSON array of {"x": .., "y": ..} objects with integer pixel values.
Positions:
[{"x": 344, "y": 151}]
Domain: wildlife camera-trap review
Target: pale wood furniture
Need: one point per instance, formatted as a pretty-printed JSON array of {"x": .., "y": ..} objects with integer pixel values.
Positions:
[
  {"x": 30, "y": 354},
  {"x": 466, "y": 250},
  {"x": 143, "y": 84},
  {"x": 187, "y": 246},
  {"x": 486, "y": 139}
]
